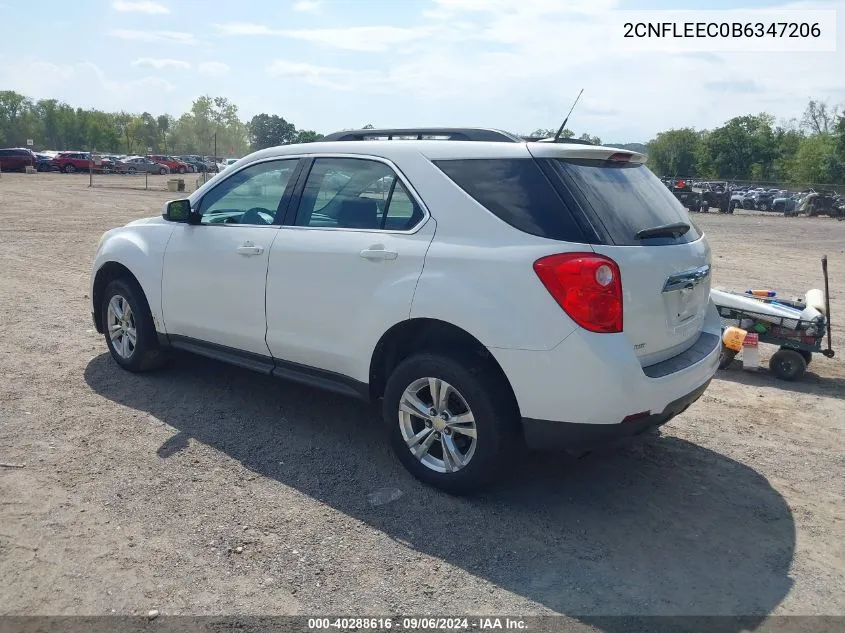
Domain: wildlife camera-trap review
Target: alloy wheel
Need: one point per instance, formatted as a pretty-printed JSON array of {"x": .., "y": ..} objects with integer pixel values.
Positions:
[
  {"x": 437, "y": 425},
  {"x": 121, "y": 327}
]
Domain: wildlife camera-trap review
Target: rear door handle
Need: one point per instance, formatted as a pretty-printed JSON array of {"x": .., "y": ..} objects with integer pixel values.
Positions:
[
  {"x": 248, "y": 248},
  {"x": 378, "y": 252}
]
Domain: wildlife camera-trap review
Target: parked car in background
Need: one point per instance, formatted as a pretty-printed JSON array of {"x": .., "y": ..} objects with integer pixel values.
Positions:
[
  {"x": 45, "y": 162},
  {"x": 142, "y": 164},
  {"x": 174, "y": 165},
  {"x": 16, "y": 159},
  {"x": 201, "y": 163},
  {"x": 70, "y": 162}
]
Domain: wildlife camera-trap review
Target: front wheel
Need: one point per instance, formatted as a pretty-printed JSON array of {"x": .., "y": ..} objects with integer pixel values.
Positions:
[
  {"x": 181, "y": 170},
  {"x": 162, "y": 171},
  {"x": 450, "y": 421},
  {"x": 69, "y": 169},
  {"x": 128, "y": 327}
]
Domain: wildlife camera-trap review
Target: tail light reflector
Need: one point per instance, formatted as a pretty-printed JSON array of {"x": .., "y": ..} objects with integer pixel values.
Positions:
[{"x": 587, "y": 286}]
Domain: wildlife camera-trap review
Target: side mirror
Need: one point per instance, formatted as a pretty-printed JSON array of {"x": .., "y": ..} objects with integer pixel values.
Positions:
[{"x": 178, "y": 211}]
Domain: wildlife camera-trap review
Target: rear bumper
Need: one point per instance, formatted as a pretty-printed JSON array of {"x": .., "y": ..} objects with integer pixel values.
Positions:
[
  {"x": 551, "y": 435},
  {"x": 596, "y": 379}
]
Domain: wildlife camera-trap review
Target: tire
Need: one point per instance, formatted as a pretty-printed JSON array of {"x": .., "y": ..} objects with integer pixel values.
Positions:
[
  {"x": 763, "y": 206},
  {"x": 181, "y": 170},
  {"x": 69, "y": 169},
  {"x": 807, "y": 356},
  {"x": 726, "y": 357},
  {"x": 476, "y": 391},
  {"x": 162, "y": 171},
  {"x": 145, "y": 353},
  {"x": 131, "y": 171},
  {"x": 787, "y": 364}
]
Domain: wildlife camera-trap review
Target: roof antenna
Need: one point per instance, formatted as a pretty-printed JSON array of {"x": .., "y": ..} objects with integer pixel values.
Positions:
[{"x": 563, "y": 125}]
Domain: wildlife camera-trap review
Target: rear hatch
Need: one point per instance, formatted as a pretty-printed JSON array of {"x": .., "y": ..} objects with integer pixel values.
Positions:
[{"x": 634, "y": 219}]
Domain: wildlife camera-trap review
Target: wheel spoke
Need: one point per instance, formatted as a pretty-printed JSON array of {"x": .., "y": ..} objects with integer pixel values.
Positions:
[
  {"x": 442, "y": 402},
  {"x": 124, "y": 345},
  {"x": 421, "y": 443},
  {"x": 115, "y": 332},
  {"x": 127, "y": 311},
  {"x": 434, "y": 386},
  {"x": 469, "y": 431},
  {"x": 451, "y": 455},
  {"x": 462, "y": 418},
  {"x": 131, "y": 335},
  {"x": 116, "y": 308},
  {"x": 414, "y": 406}
]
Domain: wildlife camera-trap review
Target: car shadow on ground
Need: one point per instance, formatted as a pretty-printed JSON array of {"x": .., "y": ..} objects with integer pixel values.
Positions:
[
  {"x": 661, "y": 526},
  {"x": 810, "y": 383}
]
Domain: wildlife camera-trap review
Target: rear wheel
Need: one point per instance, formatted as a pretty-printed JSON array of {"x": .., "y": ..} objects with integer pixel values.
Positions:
[
  {"x": 162, "y": 171},
  {"x": 128, "y": 327},
  {"x": 787, "y": 364},
  {"x": 181, "y": 170},
  {"x": 69, "y": 169},
  {"x": 450, "y": 421}
]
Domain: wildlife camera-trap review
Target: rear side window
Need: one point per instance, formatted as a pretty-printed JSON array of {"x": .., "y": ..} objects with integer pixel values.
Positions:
[
  {"x": 516, "y": 191},
  {"x": 624, "y": 198}
]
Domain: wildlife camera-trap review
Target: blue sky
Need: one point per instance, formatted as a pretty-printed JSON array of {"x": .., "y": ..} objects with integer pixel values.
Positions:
[{"x": 332, "y": 64}]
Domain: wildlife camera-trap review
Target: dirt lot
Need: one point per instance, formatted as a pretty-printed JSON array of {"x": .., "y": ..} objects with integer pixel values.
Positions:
[{"x": 206, "y": 489}]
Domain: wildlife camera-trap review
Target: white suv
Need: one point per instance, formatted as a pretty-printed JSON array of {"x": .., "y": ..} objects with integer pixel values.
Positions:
[{"x": 490, "y": 291}]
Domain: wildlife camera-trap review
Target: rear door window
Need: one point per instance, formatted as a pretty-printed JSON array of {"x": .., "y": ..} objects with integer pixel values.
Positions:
[
  {"x": 624, "y": 199},
  {"x": 517, "y": 192}
]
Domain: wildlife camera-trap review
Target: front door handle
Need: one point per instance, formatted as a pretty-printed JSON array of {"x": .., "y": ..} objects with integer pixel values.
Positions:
[
  {"x": 378, "y": 252},
  {"x": 248, "y": 248}
]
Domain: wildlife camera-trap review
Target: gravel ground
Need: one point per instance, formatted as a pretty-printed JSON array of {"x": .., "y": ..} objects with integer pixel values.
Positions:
[{"x": 207, "y": 489}]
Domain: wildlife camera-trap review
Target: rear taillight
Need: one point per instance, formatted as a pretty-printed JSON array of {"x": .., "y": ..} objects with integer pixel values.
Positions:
[{"x": 587, "y": 286}]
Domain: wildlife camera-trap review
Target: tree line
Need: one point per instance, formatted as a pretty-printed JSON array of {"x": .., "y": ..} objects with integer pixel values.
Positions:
[
  {"x": 757, "y": 148},
  {"x": 751, "y": 147},
  {"x": 212, "y": 122}
]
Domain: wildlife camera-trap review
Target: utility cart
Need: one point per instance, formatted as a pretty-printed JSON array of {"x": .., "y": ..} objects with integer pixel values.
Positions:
[{"x": 797, "y": 327}]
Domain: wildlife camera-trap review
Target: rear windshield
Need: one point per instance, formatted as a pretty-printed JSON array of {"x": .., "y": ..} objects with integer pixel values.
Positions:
[{"x": 623, "y": 198}]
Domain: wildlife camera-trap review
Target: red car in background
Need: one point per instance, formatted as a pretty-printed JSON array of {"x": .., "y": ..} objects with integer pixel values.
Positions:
[
  {"x": 175, "y": 166},
  {"x": 16, "y": 158},
  {"x": 70, "y": 162}
]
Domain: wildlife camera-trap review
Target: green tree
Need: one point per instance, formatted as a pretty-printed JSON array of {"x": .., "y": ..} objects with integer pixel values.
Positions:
[
  {"x": 266, "y": 130},
  {"x": 308, "y": 136},
  {"x": 813, "y": 160},
  {"x": 675, "y": 152},
  {"x": 742, "y": 148}
]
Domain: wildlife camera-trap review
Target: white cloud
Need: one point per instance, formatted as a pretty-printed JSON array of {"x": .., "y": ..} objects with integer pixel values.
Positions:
[
  {"x": 158, "y": 64},
  {"x": 326, "y": 76},
  {"x": 174, "y": 37},
  {"x": 308, "y": 6},
  {"x": 373, "y": 39},
  {"x": 127, "y": 6},
  {"x": 81, "y": 85},
  {"x": 213, "y": 69}
]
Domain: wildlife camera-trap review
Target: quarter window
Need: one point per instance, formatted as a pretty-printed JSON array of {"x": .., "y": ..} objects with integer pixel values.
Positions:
[
  {"x": 356, "y": 193},
  {"x": 249, "y": 196}
]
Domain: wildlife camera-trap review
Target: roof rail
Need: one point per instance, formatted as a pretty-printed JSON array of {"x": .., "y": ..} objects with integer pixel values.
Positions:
[{"x": 444, "y": 133}]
